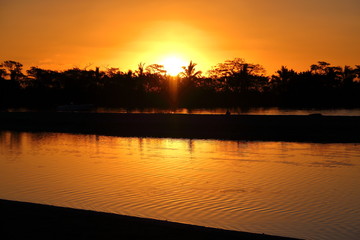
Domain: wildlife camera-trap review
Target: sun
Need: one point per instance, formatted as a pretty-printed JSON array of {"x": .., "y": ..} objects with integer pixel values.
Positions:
[{"x": 173, "y": 65}]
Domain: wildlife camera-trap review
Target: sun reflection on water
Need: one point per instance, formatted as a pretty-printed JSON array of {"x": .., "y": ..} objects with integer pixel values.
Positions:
[{"x": 290, "y": 189}]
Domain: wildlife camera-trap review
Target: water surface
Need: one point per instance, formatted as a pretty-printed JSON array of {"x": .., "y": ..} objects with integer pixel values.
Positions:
[
  {"x": 302, "y": 190},
  {"x": 249, "y": 111}
]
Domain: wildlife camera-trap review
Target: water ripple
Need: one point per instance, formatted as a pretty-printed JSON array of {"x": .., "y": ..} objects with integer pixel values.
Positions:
[{"x": 292, "y": 189}]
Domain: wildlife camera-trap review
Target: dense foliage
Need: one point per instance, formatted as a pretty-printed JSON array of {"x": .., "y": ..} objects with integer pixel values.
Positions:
[{"x": 232, "y": 83}]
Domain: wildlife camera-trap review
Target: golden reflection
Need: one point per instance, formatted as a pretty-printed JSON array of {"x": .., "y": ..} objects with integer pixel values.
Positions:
[
  {"x": 12, "y": 141},
  {"x": 230, "y": 184}
]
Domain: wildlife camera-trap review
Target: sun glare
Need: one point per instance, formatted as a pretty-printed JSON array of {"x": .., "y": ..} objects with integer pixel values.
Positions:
[{"x": 173, "y": 65}]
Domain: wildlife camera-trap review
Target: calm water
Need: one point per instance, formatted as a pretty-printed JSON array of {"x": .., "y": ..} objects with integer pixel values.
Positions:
[
  {"x": 302, "y": 190},
  {"x": 253, "y": 111}
]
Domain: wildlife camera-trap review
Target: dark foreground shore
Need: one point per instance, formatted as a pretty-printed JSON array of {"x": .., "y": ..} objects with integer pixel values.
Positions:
[
  {"x": 308, "y": 128},
  {"x": 34, "y": 221}
]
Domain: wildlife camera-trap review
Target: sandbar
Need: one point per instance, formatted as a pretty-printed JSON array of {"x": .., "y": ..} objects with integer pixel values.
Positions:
[{"x": 295, "y": 128}]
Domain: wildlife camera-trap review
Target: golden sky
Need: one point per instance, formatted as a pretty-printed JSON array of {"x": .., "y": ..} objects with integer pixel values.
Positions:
[{"x": 114, "y": 33}]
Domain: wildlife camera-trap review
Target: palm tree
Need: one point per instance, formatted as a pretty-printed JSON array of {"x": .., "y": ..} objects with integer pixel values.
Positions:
[
  {"x": 283, "y": 78},
  {"x": 141, "y": 69},
  {"x": 348, "y": 76},
  {"x": 189, "y": 72}
]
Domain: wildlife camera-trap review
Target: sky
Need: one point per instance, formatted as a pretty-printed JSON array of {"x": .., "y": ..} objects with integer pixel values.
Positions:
[{"x": 59, "y": 35}]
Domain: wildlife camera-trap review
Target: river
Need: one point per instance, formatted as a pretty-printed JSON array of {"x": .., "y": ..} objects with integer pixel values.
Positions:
[
  {"x": 249, "y": 111},
  {"x": 303, "y": 190}
]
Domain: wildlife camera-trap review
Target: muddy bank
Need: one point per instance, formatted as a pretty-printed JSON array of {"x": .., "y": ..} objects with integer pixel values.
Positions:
[
  {"x": 34, "y": 221},
  {"x": 309, "y": 128}
]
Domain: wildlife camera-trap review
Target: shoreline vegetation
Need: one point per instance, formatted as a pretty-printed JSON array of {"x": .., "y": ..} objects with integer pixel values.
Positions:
[
  {"x": 233, "y": 83},
  {"x": 298, "y": 128},
  {"x": 30, "y": 220}
]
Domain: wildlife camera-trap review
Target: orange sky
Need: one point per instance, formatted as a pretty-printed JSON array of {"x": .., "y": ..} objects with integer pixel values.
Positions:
[{"x": 113, "y": 33}]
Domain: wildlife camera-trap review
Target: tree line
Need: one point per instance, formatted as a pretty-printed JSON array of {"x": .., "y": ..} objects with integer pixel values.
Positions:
[{"x": 233, "y": 83}]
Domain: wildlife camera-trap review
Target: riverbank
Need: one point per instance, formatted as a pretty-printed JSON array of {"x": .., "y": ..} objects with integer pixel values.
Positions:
[
  {"x": 29, "y": 220},
  {"x": 300, "y": 128}
]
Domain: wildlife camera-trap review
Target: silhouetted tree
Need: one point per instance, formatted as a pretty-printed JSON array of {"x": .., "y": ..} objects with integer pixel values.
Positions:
[
  {"x": 189, "y": 89},
  {"x": 234, "y": 82},
  {"x": 238, "y": 76},
  {"x": 41, "y": 78},
  {"x": 14, "y": 69},
  {"x": 319, "y": 68},
  {"x": 190, "y": 71},
  {"x": 189, "y": 77},
  {"x": 281, "y": 80},
  {"x": 3, "y": 73},
  {"x": 153, "y": 79},
  {"x": 156, "y": 69},
  {"x": 348, "y": 75},
  {"x": 357, "y": 72},
  {"x": 141, "y": 69}
]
